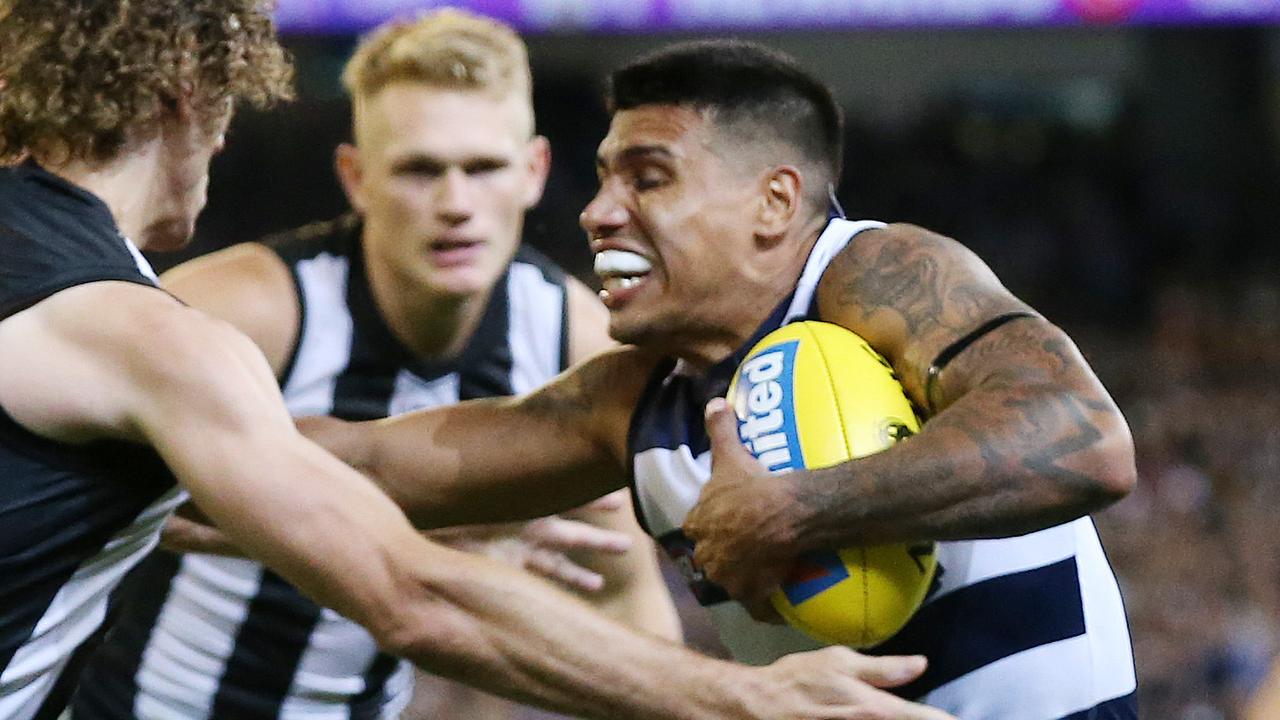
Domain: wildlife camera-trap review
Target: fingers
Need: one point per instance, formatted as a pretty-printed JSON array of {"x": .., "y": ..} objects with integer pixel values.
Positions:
[
  {"x": 843, "y": 683},
  {"x": 561, "y": 569},
  {"x": 762, "y": 610},
  {"x": 182, "y": 535},
  {"x": 612, "y": 502},
  {"x": 556, "y": 533},
  {"x": 890, "y": 670}
]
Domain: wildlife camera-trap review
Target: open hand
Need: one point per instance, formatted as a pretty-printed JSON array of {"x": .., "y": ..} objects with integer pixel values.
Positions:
[
  {"x": 544, "y": 546},
  {"x": 837, "y": 682}
]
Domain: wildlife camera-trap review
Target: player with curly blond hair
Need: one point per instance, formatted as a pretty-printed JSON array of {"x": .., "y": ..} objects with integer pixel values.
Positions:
[{"x": 110, "y": 390}]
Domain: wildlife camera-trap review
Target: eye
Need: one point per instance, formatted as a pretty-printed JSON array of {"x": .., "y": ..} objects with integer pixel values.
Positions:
[
  {"x": 484, "y": 166},
  {"x": 648, "y": 179},
  {"x": 419, "y": 168}
]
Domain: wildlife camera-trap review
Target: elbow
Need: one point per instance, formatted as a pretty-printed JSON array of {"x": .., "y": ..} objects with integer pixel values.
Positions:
[{"x": 1116, "y": 473}]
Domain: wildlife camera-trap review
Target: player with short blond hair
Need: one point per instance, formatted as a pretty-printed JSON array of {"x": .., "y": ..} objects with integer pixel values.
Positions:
[{"x": 363, "y": 317}]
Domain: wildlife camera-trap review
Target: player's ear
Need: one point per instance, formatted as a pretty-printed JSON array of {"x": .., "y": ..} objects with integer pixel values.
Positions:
[
  {"x": 346, "y": 164},
  {"x": 537, "y": 165},
  {"x": 781, "y": 194}
]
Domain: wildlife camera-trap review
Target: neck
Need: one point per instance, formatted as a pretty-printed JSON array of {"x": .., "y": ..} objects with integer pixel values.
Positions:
[
  {"x": 429, "y": 324},
  {"x": 764, "y": 285},
  {"x": 122, "y": 183}
]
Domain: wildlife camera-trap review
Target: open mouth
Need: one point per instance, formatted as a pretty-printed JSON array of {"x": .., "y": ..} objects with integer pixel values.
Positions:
[
  {"x": 452, "y": 252},
  {"x": 620, "y": 271}
]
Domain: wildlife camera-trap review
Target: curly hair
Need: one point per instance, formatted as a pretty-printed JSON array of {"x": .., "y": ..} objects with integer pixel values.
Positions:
[{"x": 81, "y": 79}]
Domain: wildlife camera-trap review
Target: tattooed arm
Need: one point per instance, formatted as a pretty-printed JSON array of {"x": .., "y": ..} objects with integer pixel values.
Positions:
[{"x": 1023, "y": 434}]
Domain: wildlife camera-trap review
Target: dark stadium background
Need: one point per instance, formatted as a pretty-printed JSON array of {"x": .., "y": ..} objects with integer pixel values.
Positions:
[{"x": 1124, "y": 180}]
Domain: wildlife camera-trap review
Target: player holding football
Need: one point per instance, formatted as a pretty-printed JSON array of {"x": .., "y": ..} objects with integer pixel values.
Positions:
[
  {"x": 712, "y": 227},
  {"x": 111, "y": 389}
]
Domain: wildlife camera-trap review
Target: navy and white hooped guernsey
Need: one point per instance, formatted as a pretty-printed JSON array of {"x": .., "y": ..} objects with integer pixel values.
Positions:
[
  {"x": 1022, "y": 628},
  {"x": 218, "y": 637}
]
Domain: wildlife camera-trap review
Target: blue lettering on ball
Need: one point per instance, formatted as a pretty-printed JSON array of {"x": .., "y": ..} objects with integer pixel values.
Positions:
[{"x": 766, "y": 409}]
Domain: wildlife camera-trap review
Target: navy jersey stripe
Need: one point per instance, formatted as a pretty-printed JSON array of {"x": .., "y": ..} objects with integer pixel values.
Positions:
[
  {"x": 679, "y": 548},
  {"x": 959, "y": 633},
  {"x": 107, "y": 688},
  {"x": 1121, "y": 708},
  {"x": 272, "y": 638},
  {"x": 670, "y": 413},
  {"x": 637, "y": 429}
]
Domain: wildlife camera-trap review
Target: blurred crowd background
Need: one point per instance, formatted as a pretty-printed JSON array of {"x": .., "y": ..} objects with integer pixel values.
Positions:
[{"x": 1123, "y": 179}]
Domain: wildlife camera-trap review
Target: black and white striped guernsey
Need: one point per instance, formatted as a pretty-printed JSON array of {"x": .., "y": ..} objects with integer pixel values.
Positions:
[
  {"x": 1022, "y": 628},
  {"x": 73, "y": 518},
  {"x": 217, "y": 637}
]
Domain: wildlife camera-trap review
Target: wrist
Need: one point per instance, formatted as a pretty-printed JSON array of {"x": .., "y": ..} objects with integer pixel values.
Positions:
[
  {"x": 735, "y": 691},
  {"x": 802, "y": 523}
]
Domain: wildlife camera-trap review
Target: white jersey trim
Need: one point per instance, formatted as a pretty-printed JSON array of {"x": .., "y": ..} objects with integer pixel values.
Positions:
[{"x": 77, "y": 610}]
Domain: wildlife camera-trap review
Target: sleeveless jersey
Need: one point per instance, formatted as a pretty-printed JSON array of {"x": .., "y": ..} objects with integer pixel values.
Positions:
[
  {"x": 1022, "y": 628},
  {"x": 73, "y": 518},
  {"x": 217, "y": 637}
]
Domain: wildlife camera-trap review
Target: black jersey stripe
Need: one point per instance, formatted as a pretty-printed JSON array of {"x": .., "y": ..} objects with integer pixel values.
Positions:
[
  {"x": 484, "y": 367},
  {"x": 258, "y": 679},
  {"x": 367, "y": 705},
  {"x": 277, "y": 629},
  {"x": 107, "y": 687},
  {"x": 268, "y": 646}
]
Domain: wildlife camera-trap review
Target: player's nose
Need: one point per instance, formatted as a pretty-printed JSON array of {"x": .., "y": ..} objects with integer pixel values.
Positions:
[{"x": 603, "y": 214}]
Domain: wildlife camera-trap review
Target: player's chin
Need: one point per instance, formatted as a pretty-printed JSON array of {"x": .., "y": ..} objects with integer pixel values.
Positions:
[
  {"x": 168, "y": 235},
  {"x": 462, "y": 281},
  {"x": 624, "y": 327}
]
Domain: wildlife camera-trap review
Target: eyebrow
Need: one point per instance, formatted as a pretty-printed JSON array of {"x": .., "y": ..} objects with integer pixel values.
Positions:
[
  {"x": 434, "y": 163},
  {"x": 637, "y": 151}
]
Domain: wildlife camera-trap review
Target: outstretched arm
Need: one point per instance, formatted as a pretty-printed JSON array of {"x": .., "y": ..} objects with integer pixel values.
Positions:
[
  {"x": 201, "y": 394},
  {"x": 499, "y": 459},
  {"x": 1023, "y": 435}
]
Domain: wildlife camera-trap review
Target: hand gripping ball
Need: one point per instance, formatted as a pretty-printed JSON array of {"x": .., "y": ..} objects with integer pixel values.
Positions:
[{"x": 813, "y": 394}]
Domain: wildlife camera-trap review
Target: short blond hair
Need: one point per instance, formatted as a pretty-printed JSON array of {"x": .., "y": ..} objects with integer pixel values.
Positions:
[{"x": 450, "y": 49}]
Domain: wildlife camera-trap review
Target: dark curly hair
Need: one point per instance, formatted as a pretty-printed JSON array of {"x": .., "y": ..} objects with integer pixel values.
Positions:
[{"x": 81, "y": 79}]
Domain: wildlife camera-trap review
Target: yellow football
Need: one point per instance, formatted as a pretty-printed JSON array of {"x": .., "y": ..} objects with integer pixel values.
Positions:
[{"x": 813, "y": 394}]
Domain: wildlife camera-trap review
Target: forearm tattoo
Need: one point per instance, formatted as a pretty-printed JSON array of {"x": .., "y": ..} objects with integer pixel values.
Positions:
[{"x": 1025, "y": 437}]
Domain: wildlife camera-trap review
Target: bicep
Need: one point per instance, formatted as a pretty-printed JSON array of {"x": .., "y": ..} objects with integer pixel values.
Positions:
[{"x": 912, "y": 295}]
